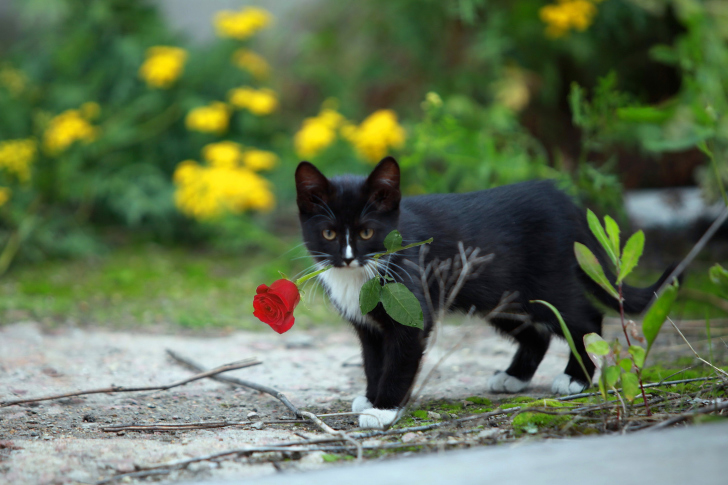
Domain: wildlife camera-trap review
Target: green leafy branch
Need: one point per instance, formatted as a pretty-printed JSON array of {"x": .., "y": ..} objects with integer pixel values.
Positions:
[{"x": 398, "y": 301}]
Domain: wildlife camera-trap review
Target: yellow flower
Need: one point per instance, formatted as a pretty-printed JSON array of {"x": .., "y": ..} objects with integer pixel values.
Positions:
[
  {"x": 90, "y": 110},
  {"x": 213, "y": 118},
  {"x": 376, "y": 135},
  {"x": 163, "y": 66},
  {"x": 223, "y": 154},
  {"x": 260, "y": 102},
  {"x": 208, "y": 192},
  {"x": 16, "y": 156},
  {"x": 317, "y": 133},
  {"x": 257, "y": 160},
  {"x": 13, "y": 80},
  {"x": 4, "y": 195},
  {"x": 242, "y": 24},
  {"x": 251, "y": 62},
  {"x": 566, "y": 15},
  {"x": 67, "y": 128}
]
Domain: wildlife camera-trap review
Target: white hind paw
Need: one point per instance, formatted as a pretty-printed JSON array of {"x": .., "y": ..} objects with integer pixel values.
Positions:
[
  {"x": 564, "y": 384},
  {"x": 378, "y": 418},
  {"x": 503, "y": 382},
  {"x": 360, "y": 403}
]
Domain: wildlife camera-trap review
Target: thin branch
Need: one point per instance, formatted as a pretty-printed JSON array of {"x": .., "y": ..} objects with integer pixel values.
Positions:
[
  {"x": 721, "y": 372},
  {"x": 691, "y": 414},
  {"x": 328, "y": 429},
  {"x": 210, "y": 373},
  {"x": 655, "y": 384},
  {"x": 191, "y": 364}
]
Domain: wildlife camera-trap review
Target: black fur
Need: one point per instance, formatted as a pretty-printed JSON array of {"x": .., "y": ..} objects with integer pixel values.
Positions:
[{"x": 529, "y": 227}]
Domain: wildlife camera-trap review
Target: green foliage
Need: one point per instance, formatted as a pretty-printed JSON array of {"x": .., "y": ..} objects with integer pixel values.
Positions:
[
  {"x": 397, "y": 300},
  {"x": 657, "y": 314},
  {"x": 590, "y": 265}
]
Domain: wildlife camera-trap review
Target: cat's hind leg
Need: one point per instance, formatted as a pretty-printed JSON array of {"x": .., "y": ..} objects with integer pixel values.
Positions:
[
  {"x": 573, "y": 380},
  {"x": 533, "y": 342}
]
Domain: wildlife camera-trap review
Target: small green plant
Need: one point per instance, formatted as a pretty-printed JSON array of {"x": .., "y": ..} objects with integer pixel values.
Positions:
[
  {"x": 617, "y": 364},
  {"x": 397, "y": 299}
]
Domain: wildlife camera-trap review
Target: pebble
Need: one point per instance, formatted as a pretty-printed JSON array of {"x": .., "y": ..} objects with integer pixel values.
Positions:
[
  {"x": 258, "y": 425},
  {"x": 489, "y": 433},
  {"x": 150, "y": 405},
  {"x": 252, "y": 414},
  {"x": 433, "y": 415}
]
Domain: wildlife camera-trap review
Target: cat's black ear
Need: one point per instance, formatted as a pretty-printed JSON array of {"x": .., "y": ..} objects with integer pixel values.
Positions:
[
  {"x": 312, "y": 187},
  {"x": 383, "y": 185}
]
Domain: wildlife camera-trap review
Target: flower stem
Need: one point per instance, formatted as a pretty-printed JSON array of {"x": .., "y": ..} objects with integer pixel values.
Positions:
[{"x": 307, "y": 277}]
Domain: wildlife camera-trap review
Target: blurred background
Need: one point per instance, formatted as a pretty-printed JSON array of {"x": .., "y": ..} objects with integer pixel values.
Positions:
[{"x": 147, "y": 148}]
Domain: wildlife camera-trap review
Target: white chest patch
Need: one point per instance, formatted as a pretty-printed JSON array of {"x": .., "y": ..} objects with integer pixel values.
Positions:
[{"x": 343, "y": 286}]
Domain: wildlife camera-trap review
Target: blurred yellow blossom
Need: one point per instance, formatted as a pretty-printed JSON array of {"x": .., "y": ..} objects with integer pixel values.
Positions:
[
  {"x": 512, "y": 89},
  {"x": 13, "y": 80},
  {"x": 241, "y": 24},
  {"x": 226, "y": 154},
  {"x": 204, "y": 192},
  {"x": 318, "y": 132},
  {"x": 16, "y": 156},
  {"x": 90, "y": 110},
  {"x": 213, "y": 118},
  {"x": 65, "y": 129},
  {"x": 163, "y": 66},
  {"x": 376, "y": 135},
  {"x": 251, "y": 62},
  {"x": 260, "y": 102},
  {"x": 4, "y": 195},
  {"x": 566, "y": 15},
  {"x": 257, "y": 160}
]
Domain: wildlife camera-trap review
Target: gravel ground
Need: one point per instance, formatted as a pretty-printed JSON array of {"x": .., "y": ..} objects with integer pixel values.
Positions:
[{"x": 62, "y": 442}]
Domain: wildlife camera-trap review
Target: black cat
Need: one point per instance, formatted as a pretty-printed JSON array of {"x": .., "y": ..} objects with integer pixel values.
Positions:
[{"x": 530, "y": 228}]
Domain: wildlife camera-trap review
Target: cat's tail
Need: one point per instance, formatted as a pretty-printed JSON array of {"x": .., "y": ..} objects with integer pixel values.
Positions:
[{"x": 635, "y": 299}]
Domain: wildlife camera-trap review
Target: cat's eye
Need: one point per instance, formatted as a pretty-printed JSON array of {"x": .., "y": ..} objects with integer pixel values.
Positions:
[
  {"x": 328, "y": 234},
  {"x": 366, "y": 233}
]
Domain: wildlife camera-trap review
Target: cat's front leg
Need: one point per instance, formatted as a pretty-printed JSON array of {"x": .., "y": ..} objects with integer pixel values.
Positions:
[
  {"x": 402, "y": 351},
  {"x": 372, "y": 349}
]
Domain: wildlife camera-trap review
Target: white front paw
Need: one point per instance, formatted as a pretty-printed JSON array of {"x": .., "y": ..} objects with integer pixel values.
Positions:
[
  {"x": 378, "y": 418},
  {"x": 503, "y": 382},
  {"x": 360, "y": 403},
  {"x": 564, "y": 385}
]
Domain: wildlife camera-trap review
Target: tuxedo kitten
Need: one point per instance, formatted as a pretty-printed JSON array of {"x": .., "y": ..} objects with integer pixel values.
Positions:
[{"x": 530, "y": 228}]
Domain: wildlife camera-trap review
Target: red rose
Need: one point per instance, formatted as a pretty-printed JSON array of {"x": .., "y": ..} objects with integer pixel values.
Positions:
[{"x": 274, "y": 305}]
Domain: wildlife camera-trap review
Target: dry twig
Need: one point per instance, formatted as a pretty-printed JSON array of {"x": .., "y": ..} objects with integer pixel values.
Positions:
[
  {"x": 189, "y": 363},
  {"x": 224, "y": 368}
]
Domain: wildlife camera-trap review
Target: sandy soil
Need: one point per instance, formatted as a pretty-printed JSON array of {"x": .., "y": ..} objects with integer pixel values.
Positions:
[{"x": 61, "y": 441}]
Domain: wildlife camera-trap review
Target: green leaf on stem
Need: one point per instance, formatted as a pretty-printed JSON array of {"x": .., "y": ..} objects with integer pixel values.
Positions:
[
  {"x": 626, "y": 364},
  {"x": 719, "y": 277},
  {"x": 632, "y": 253},
  {"x": 589, "y": 263},
  {"x": 613, "y": 233},
  {"x": 598, "y": 231},
  {"x": 630, "y": 386},
  {"x": 369, "y": 295},
  {"x": 638, "y": 355},
  {"x": 597, "y": 347},
  {"x": 567, "y": 336},
  {"x": 611, "y": 375},
  {"x": 657, "y": 314},
  {"x": 393, "y": 241},
  {"x": 402, "y": 305}
]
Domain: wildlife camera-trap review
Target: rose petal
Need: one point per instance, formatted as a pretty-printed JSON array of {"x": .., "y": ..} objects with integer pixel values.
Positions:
[
  {"x": 262, "y": 289},
  {"x": 287, "y": 291}
]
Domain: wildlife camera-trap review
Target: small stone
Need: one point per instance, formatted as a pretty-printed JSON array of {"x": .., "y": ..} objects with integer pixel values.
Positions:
[
  {"x": 258, "y": 425},
  {"x": 252, "y": 414},
  {"x": 175, "y": 417},
  {"x": 47, "y": 438},
  {"x": 489, "y": 433},
  {"x": 433, "y": 415},
  {"x": 410, "y": 437},
  {"x": 150, "y": 405}
]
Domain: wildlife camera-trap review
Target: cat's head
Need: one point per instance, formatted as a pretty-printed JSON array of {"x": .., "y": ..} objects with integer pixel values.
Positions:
[{"x": 345, "y": 219}]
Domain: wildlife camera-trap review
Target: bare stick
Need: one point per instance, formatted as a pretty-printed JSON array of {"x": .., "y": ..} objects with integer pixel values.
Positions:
[
  {"x": 694, "y": 252},
  {"x": 225, "y": 368},
  {"x": 685, "y": 416},
  {"x": 721, "y": 372},
  {"x": 191, "y": 364},
  {"x": 328, "y": 429},
  {"x": 655, "y": 384}
]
